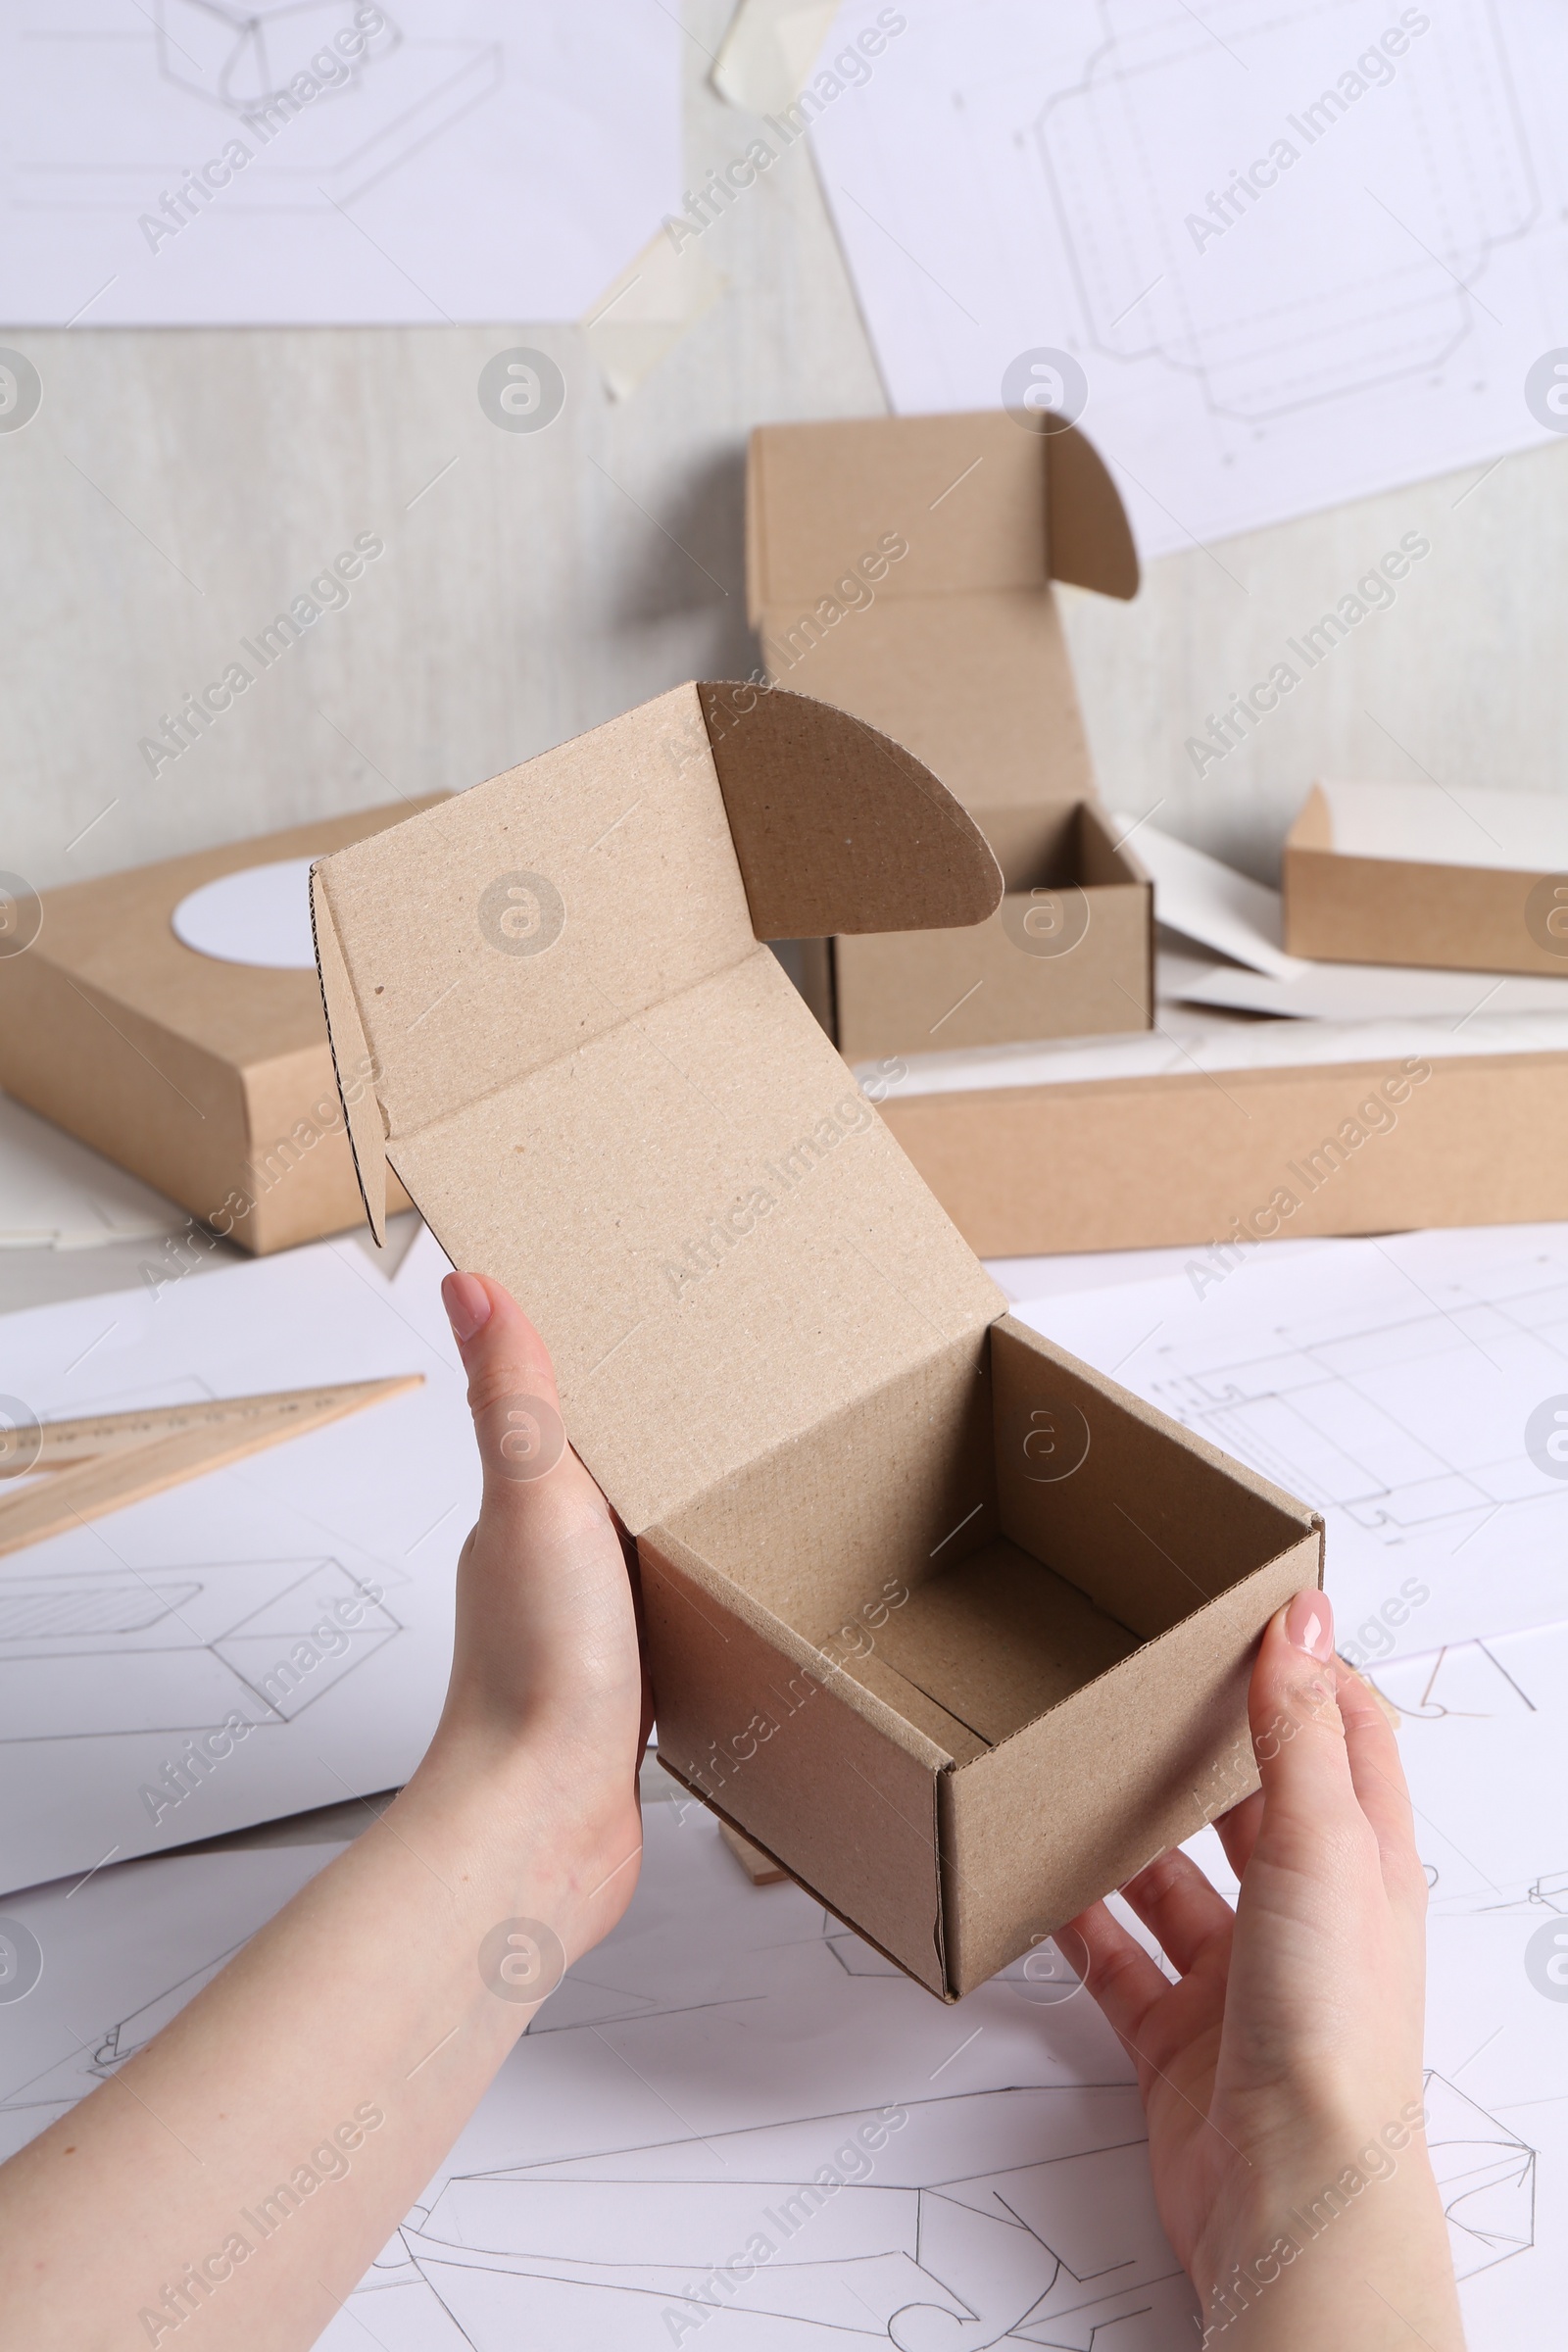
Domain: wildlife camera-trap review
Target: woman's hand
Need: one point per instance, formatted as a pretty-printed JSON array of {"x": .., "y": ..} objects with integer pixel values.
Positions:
[
  {"x": 1281, "y": 2072},
  {"x": 547, "y": 1660},
  {"x": 244, "y": 2170}
]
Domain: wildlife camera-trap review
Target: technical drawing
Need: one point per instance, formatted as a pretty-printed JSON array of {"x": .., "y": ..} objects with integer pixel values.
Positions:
[
  {"x": 365, "y": 120},
  {"x": 1487, "y": 2179},
  {"x": 245, "y": 57},
  {"x": 1012, "y": 2216},
  {"x": 89, "y": 1656},
  {"x": 1162, "y": 258},
  {"x": 53, "y": 2092},
  {"x": 1350, "y": 1413}
]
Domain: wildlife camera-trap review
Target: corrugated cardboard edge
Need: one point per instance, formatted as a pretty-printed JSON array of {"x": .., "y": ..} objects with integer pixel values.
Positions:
[
  {"x": 361, "y": 1115},
  {"x": 832, "y": 821}
]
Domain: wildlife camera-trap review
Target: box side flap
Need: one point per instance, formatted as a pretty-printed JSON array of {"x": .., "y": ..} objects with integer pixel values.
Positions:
[
  {"x": 1314, "y": 828},
  {"x": 520, "y": 919},
  {"x": 1090, "y": 539},
  {"x": 894, "y": 506},
  {"x": 351, "y": 1062},
  {"x": 837, "y": 827},
  {"x": 636, "y": 1124},
  {"x": 979, "y": 686}
]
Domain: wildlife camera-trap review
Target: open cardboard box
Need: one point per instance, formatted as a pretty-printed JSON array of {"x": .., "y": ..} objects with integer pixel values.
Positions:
[
  {"x": 1411, "y": 873},
  {"x": 951, "y": 1626},
  {"x": 211, "y": 1081},
  {"x": 901, "y": 567}
]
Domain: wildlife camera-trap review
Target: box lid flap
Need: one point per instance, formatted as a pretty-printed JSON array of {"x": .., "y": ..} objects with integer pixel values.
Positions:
[
  {"x": 599, "y": 1086},
  {"x": 919, "y": 506}
]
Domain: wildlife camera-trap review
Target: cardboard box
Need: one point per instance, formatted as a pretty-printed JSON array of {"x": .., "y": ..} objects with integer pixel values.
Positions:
[
  {"x": 949, "y": 1625},
  {"x": 901, "y": 567},
  {"x": 1350, "y": 1146},
  {"x": 1410, "y": 873},
  {"x": 212, "y": 1081}
]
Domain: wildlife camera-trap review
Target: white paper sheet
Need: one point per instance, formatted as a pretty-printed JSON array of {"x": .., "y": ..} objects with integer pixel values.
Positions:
[
  {"x": 1521, "y": 832},
  {"x": 1019, "y": 182},
  {"x": 133, "y": 1637},
  {"x": 55, "y": 1193},
  {"x": 1379, "y": 992},
  {"x": 1405, "y": 1387},
  {"x": 259, "y": 915},
  {"x": 1190, "y": 1039},
  {"x": 120, "y": 1955},
  {"x": 1209, "y": 902},
  {"x": 171, "y": 165},
  {"x": 696, "y": 2073}
]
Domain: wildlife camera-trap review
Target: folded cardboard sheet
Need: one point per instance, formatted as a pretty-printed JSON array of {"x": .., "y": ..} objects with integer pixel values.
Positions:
[
  {"x": 1413, "y": 873},
  {"x": 947, "y": 1624},
  {"x": 211, "y": 1079},
  {"x": 903, "y": 569}
]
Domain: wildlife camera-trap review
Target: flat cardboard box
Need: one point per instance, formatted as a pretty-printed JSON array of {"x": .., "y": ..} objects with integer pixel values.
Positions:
[
  {"x": 1358, "y": 1145},
  {"x": 955, "y": 648},
  {"x": 1411, "y": 873},
  {"x": 212, "y": 1081},
  {"x": 950, "y": 1626}
]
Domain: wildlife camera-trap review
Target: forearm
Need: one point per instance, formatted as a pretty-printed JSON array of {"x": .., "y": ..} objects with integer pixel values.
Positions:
[
  {"x": 1344, "y": 2245},
  {"x": 257, "y": 2156}
]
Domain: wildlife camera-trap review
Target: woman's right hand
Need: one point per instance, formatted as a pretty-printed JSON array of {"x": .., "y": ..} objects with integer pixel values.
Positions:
[{"x": 1282, "y": 2071}]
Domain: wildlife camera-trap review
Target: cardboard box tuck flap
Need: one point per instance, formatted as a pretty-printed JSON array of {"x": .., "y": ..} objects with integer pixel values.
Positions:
[
  {"x": 943, "y": 1620},
  {"x": 902, "y": 569},
  {"x": 1410, "y": 873}
]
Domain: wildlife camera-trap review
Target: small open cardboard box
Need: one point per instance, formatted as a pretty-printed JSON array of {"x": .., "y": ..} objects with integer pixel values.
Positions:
[
  {"x": 945, "y": 1622},
  {"x": 211, "y": 1081},
  {"x": 1410, "y": 873},
  {"x": 954, "y": 647}
]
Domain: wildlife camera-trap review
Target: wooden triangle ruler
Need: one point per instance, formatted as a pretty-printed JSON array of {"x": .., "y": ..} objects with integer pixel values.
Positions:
[{"x": 106, "y": 1460}]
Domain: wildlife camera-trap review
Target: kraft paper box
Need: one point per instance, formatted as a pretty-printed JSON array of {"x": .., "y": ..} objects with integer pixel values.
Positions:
[
  {"x": 947, "y": 1624},
  {"x": 1411, "y": 873},
  {"x": 1362, "y": 1144},
  {"x": 212, "y": 1081},
  {"x": 901, "y": 567}
]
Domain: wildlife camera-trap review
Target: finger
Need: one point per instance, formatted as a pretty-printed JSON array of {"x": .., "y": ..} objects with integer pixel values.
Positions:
[
  {"x": 1173, "y": 1898},
  {"x": 1238, "y": 1831},
  {"x": 1298, "y": 1738},
  {"x": 1377, "y": 1773},
  {"x": 1122, "y": 1978},
  {"x": 513, "y": 1394}
]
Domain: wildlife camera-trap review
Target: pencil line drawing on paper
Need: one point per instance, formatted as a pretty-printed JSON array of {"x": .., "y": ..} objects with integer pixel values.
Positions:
[
  {"x": 1011, "y": 2217},
  {"x": 93, "y": 1656},
  {"x": 1355, "y": 1415},
  {"x": 317, "y": 129},
  {"x": 1147, "y": 235},
  {"x": 55, "y": 2091}
]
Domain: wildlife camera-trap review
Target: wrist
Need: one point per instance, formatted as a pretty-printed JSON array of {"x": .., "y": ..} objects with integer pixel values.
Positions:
[{"x": 534, "y": 1828}]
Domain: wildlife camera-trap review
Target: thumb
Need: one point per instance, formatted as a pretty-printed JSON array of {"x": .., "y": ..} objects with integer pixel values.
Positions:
[
  {"x": 511, "y": 1382},
  {"x": 1292, "y": 1702}
]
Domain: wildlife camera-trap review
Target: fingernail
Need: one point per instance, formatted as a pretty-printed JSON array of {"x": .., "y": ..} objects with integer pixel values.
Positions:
[
  {"x": 468, "y": 1305},
  {"x": 1309, "y": 1625}
]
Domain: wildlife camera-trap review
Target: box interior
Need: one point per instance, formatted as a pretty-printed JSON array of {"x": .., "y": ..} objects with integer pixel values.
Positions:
[
  {"x": 1054, "y": 845},
  {"x": 921, "y": 1542}
]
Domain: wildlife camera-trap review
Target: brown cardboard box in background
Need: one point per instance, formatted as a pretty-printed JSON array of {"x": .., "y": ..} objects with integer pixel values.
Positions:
[
  {"x": 945, "y": 1622},
  {"x": 901, "y": 568},
  {"x": 1190, "y": 1156},
  {"x": 1414, "y": 874},
  {"x": 211, "y": 1081}
]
